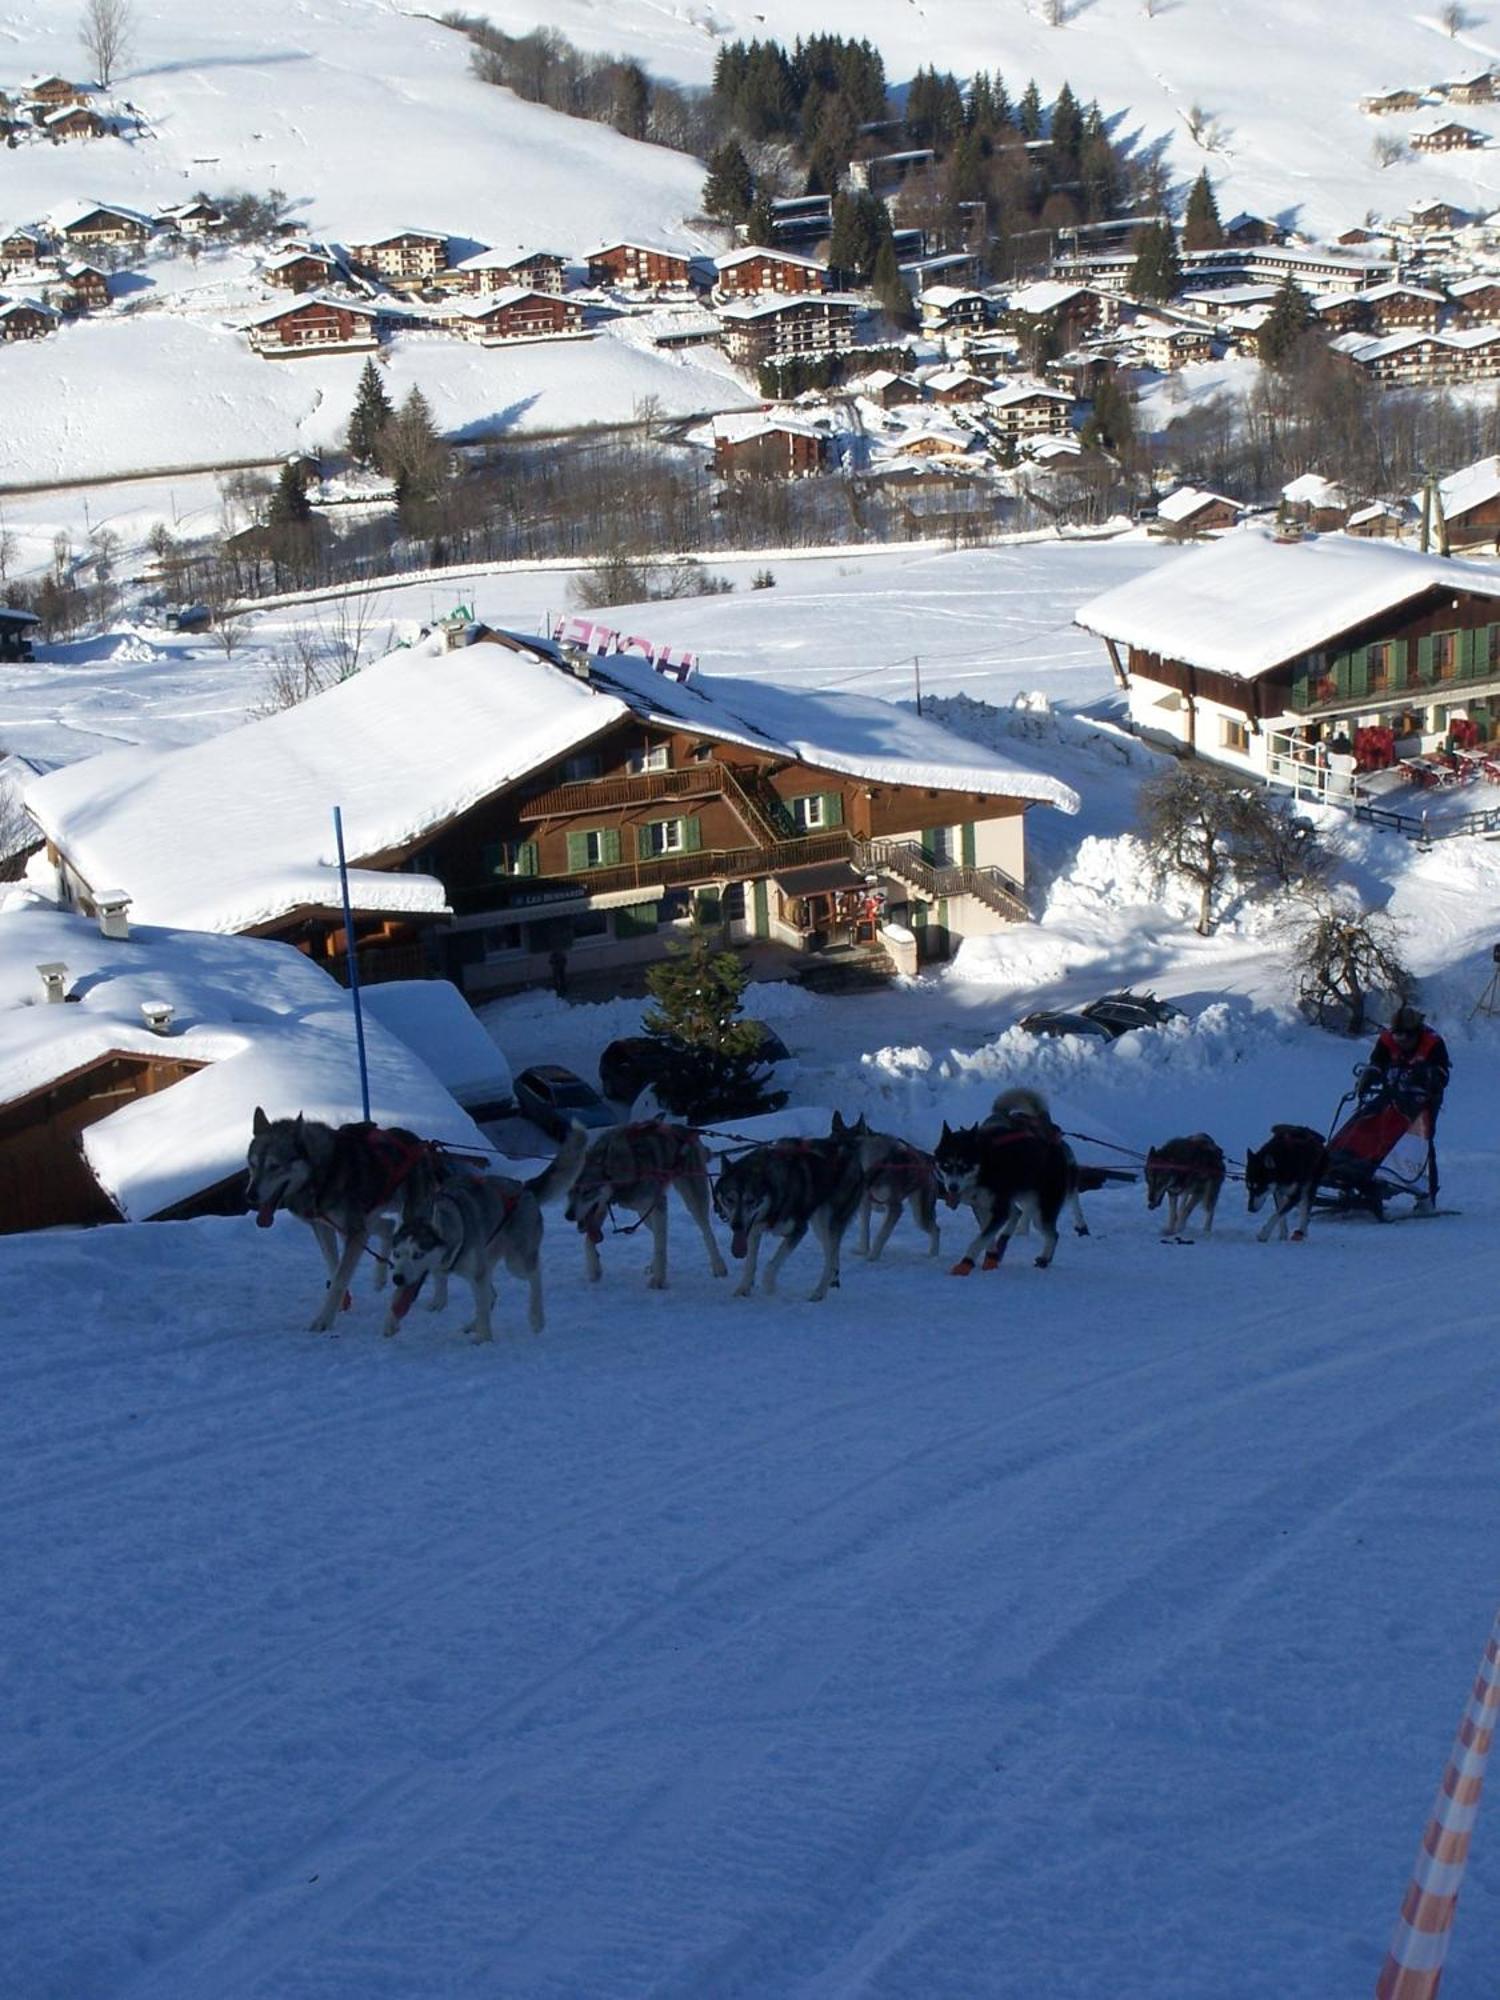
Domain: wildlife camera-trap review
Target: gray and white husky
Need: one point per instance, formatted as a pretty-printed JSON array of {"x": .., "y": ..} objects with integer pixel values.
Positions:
[
  {"x": 897, "y": 1176},
  {"x": 1187, "y": 1174},
  {"x": 636, "y": 1167},
  {"x": 469, "y": 1224},
  {"x": 344, "y": 1181},
  {"x": 783, "y": 1188}
]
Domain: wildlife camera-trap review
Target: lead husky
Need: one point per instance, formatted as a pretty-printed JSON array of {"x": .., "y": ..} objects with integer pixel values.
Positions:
[
  {"x": 635, "y": 1167},
  {"x": 342, "y": 1181},
  {"x": 470, "y": 1223},
  {"x": 1186, "y": 1174},
  {"x": 1290, "y": 1166},
  {"x": 1009, "y": 1178},
  {"x": 897, "y": 1176},
  {"x": 783, "y": 1188}
]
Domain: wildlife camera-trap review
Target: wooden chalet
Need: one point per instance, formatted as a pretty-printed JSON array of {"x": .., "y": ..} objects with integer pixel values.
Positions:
[
  {"x": 497, "y": 271},
  {"x": 302, "y": 270},
  {"x": 411, "y": 256},
  {"x": 948, "y": 387},
  {"x": 1342, "y": 312},
  {"x": 1392, "y": 308},
  {"x": 757, "y": 330},
  {"x": 952, "y": 308},
  {"x": 72, "y": 121},
  {"x": 1248, "y": 231},
  {"x": 1066, "y": 312},
  {"x": 516, "y": 314},
  {"x": 547, "y": 799},
  {"x": 1436, "y": 215},
  {"x": 1021, "y": 410},
  {"x": 640, "y": 267},
  {"x": 1382, "y": 104},
  {"x": 26, "y": 319},
  {"x": 1166, "y": 346},
  {"x": 105, "y": 225},
  {"x": 1479, "y": 88},
  {"x": 768, "y": 447},
  {"x": 1414, "y": 358},
  {"x": 755, "y": 272},
  {"x": 55, "y": 90},
  {"x": 315, "y": 324},
  {"x": 1469, "y": 508},
  {"x": 1191, "y": 511},
  {"x": 86, "y": 286},
  {"x": 22, "y": 246},
  {"x": 1474, "y": 302},
  {"x": 1313, "y": 502},
  {"x": 1261, "y": 651},
  {"x": 887, "y": 388},
  {"x": 192, "y": 218},
  {"x": 1449, "y": 137}
]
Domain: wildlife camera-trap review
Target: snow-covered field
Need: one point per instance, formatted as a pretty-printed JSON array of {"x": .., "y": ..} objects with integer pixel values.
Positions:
[{"x": 1092, "y": 1631}]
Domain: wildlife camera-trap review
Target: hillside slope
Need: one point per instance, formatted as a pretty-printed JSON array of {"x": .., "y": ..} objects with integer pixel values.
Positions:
[{"x": 1282, "y": 79}]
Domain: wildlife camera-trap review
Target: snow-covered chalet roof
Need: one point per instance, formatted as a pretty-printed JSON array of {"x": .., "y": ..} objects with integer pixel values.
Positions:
[
  {"x": 269, "y": 1027},
  {"x": 1187, "y": 501},
  {"x": 1248, "y": 603},
  {"x": 1313, "y": 490},
  {"x": 1467, "y": 488},
  {"x": 237, "y": 832},
  {"x": 1045, "y": 296},
  {"x": 732, "y": 258},
  {"x": 739, "y": 426}
]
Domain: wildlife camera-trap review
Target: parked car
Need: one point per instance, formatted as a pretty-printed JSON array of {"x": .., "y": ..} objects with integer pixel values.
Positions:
[
  {"x": 1107, "y": 1018},
  {"x": 636, "y": 1062},
  {"x": 554, "y": 1098}
]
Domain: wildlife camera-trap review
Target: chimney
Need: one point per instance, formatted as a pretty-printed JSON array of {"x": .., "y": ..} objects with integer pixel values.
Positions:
[
  {"x": 113, "y": 906},
  {"x": 158, "y": 1016},
  {"x": 54, "y": 982}
]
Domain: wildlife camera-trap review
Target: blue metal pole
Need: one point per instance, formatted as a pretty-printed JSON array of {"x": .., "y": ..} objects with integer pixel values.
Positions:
[{"x": 359, "y": 1015}]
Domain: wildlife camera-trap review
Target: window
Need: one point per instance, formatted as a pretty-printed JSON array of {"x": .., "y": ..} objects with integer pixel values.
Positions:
[
  {"x": 653, "y": 757},
  {"x": 595, "y": 847},
  {"x": 1378, "y": 667},
  {"x": 816, "y": 810},
  {"x": 1444, "y": 655},
  {"x": 579, "y": 769},
  {"x": 1233, "y": 735},
  {"x": 662, "y": 836},
  {"x": 509, "y": 857},
  {"x": 1489, "y": 652}
]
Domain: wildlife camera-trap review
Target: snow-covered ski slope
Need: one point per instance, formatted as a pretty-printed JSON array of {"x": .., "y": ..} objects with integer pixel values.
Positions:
[
  {"x": 1281, "y": 80},
  {"x": 1092, "y": 1631}
]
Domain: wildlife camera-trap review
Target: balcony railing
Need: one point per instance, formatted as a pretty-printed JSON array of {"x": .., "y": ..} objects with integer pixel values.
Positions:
[
  {"x": 657, "y": 871},
  {"x": 596, "y": 795}
]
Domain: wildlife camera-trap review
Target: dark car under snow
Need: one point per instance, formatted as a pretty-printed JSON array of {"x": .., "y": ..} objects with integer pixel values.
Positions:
[{"x": 1105, "y": 1019}]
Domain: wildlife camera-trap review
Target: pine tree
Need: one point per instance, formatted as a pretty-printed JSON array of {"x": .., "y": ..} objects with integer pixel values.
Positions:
[
  {"x": 698, "y": 995},
  {"x": 1282, "y": 329},
  {"x": 372, "y": 412},
  {"x": 861, "y": 224},
  {"x": 413, "y": 454},
  {"x": 889, "y": 286},
  {"x": 730, "y": 187},
  {"x": 289, "y": 505},
  {"x": 1029, "y": 112},
  {"x": 1111, "y": 422},
  {"x": 760, "y": 223},
  {"x": 1201, "y": 227},
  {"x": 1067, "y": 135},
  {"x": 1156, "y": 273}
]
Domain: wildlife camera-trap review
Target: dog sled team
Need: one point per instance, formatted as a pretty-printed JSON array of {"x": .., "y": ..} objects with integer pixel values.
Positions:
[{"x": 427, "y": 1214}]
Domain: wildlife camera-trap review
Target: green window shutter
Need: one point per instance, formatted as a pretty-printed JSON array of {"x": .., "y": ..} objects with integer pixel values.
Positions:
[
  {"x": 967, "y": 835},
  {"x": 709, "y": 906},
  {"x": 833, "y": 809},
  {"x": 1359, "y": 671},
  {"x": 1341, "y": 676},
  {"x": 692, "y": 834},
  {"x": 637, "y": 921},
  {"x": 578, "y": 853},
  {"x": 761, "y": 903},
  {"x": 1400, "y": 661},
  {"x": 528, "y": 859},
  {"x": 1466, "y": 652},
  {"x": 643, "y": 843},
  {"x": 1424, "y": 657},
  {"x": 609, "y": 846}
]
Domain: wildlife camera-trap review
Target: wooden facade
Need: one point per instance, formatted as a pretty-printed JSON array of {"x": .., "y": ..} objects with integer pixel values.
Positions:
[
  {"x": 302, "y": 271},
  {"x": 531, "y": 316},
  {"x": 775, "y": 452},
  {"x": 409, "y": 255},
  {"x": 1447, "y": 138},
  {"x": 107, "y": 225},
  {"x": 751, "y": 274},
  {"x": 23, "y": 319},
  {"x": 640, "y": 267},
  {"x": 74, "y": 121},
  {"x": 45, "y": 1180},
  {"x": 800, "y": 326},
  {"x": 318, "y": 324},
  {"x": 88, "y": 285}
]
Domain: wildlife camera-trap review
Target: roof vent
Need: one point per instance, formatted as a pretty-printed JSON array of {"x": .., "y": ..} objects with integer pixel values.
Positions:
[
  {"x": 113, "y": 906},
  {"x": 158, "y": 1016},
  {"x": 54, "y": 982}
]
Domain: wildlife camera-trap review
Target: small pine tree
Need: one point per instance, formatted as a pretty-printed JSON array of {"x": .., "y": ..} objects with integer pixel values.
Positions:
[
  {"x": 372, "y": 412},
  {"x": 289, "y": 506},
  {"x": 1201, "y": 227},
  {"x": 1029, "y": 112},
  {"x": 760, "y": 223},
  {"x": 1282, "y": 329},
  {"x": 698, "y": 991},
  {"x": 1157, "y": 272},
  {"x": 889, "y": 286},
  {"x": 729, "y": 189}
]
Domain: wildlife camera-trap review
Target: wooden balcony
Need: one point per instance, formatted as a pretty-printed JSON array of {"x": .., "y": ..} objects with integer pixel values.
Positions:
[
  {"x": 659, "y": 871},
  {"x": 604, "y": 795}
]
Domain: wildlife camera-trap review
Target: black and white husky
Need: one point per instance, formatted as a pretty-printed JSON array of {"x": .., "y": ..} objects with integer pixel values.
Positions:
[
  {"x": 1290, "y": 1167},
  {"x": 783, "y": 1188},
  {"x": 471, "y": 1223},
  {"x": 897, "y": 1176},
  {"x": 344, "y": 1181},
  {"x": 1186, "y": 1174},
  {"x": 1024, "y": 1110},
  {"x": 636, "y": 1167},
  {"x": 1009, "y": 1178}
]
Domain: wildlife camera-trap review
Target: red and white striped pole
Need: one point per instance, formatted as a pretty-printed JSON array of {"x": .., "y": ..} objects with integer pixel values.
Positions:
[{"x": 1414, "y": 1964}]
